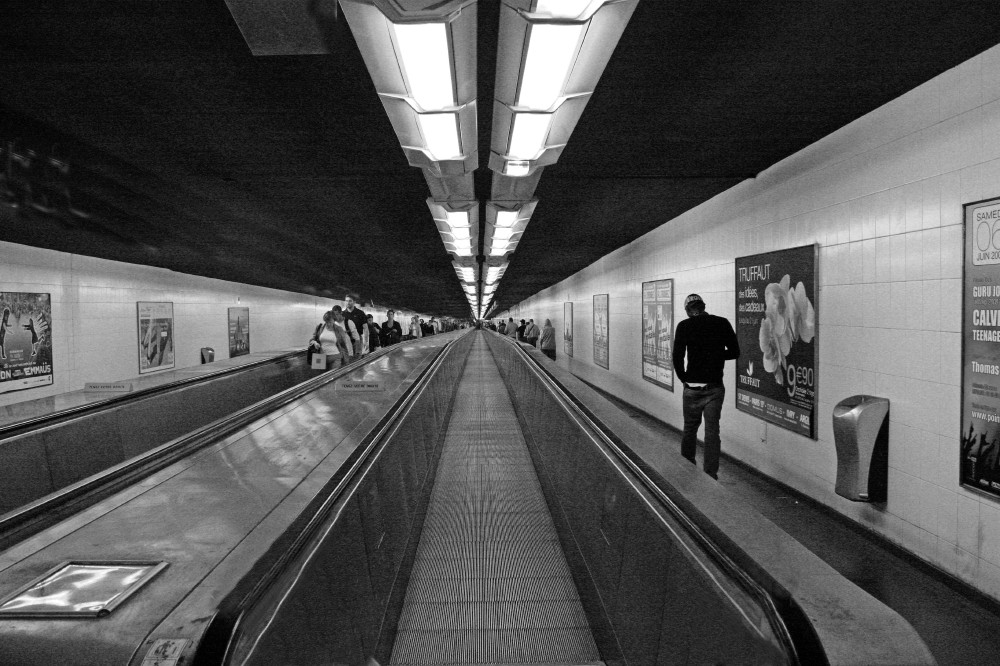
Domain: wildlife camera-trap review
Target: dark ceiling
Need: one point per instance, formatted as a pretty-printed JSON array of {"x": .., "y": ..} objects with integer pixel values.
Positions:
[{"x": 187, "y": 152}]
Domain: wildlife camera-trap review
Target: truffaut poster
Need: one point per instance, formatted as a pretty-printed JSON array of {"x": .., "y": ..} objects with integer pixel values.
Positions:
[
  {"x": 980, "y": 435},
  {"x": 657, "y": 332},
  {"x": 776, "y": 326},
  {"x": 568, "y": 328},
  {"x": 156, "y": 336},
  {"x": 239, "y": 331},
  {"x": 25, "y": 341},
  {"x": 601, "y": 330}
]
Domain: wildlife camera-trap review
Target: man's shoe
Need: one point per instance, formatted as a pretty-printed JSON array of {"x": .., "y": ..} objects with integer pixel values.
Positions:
[
  {"x": 714, "y": 476},
  {"x": 691, "y": 460}
]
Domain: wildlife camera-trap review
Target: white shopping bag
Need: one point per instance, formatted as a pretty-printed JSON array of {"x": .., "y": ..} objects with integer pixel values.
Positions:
[{"x": 318, "y": 361}]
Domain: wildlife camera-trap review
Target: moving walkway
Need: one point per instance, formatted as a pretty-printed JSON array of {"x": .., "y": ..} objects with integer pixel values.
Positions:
[{"x": 473, "y": 512}]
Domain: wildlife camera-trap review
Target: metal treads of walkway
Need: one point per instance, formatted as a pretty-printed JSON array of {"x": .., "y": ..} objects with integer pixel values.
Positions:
[{"x": 490, "y": 583}]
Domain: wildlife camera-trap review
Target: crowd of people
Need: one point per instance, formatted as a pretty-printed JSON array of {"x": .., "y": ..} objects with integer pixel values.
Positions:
[
  {"x": 347, "y": 333},
  {"x": 528, "y": 332}
]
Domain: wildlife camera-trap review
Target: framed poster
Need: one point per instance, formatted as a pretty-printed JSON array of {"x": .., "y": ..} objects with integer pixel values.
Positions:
[
  {"x": 658, "y": 332},
  {"x": 239, "y": 331},
  {"x": 979, "y": 468},
  {"x": 568, "y": 327},
  {"x": 156, "y": 336},
  {"x": 601, "y": 330},
  {"x": 25, "y": 341},
  {"x": 776, "y": 326}
]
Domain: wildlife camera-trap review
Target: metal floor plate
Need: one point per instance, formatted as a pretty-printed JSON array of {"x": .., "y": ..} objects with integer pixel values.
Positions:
[{"x": 490, "y": 583}]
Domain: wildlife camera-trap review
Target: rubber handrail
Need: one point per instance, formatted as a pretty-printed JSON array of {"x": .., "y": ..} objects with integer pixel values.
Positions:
[
  {"x": 593, "y": 423},
  {"x": 225, "y": 627},
  {"x": 31, "y": 518},
  {"x": 53, "y": 418}
]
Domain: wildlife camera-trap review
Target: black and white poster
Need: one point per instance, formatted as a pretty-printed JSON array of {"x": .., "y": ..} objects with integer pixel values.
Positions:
[
  {"x": 657, "y": 332},
  {"x": 601, "y": 350},
  {"x": 776, "y": 327},
  {"x": 239, "y": 331},
  {"x": 568, "y": 328},
  {"x": 980, "y": 435},
  {"x": 156, "y": 336},
  {"x": 25, "y": 341}
]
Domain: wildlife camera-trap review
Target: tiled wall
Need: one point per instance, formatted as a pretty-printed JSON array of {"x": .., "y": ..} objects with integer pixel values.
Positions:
[
  {"x": 94, "y": 314},
  {"x": 882, "y": 197}
]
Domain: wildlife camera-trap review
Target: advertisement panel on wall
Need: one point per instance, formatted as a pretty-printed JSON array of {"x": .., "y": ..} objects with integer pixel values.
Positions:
[
  {"x": 25, "y": 341},
  {"x": 657, "y": 332},
  {"x": 776, "y": 320},
  {"x": 156, "y": 336},
  {"x": 568, "y": 328},
  {"x": 601, "y": 330},
  {"x": 239, "y": 331},
  {"x": 980, "y": 434}
]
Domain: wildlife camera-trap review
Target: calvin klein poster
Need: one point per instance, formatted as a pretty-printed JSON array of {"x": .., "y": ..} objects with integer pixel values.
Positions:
[
  {"x": 980, "y": 435},
  {"x": 776, "y": 376},
  {"x": 601, "y": 330},
  {"x": 239, "y": 331},
  {"x": 156, "y": 336},
  {"x": 657, "y": 332},
  {"x": 568, "y": 328},
  {"x": 25, "y": 341}
]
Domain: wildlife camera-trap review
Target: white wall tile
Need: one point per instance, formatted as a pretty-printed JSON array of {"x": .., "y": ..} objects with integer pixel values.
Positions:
[{"x": 883, "y": 199}]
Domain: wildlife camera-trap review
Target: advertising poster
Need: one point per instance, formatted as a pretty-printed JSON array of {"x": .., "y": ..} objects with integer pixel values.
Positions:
[
  {"x": 980, "y": 435},
  {"x": 601, "y": 330},
  {"x": 156, "y": 336},
  {"x": 568, "y": 328},
  {"x": 25, "y": 341},
  {"x": 776, "y": 376},
  {"x": 657, "y": 332},
  {"x": 239, "y": 331}
]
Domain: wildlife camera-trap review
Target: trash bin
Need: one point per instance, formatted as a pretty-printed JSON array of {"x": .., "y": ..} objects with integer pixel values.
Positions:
[
  {"x": 207, "y": 354},
  {"x": 861, "y": 431}
]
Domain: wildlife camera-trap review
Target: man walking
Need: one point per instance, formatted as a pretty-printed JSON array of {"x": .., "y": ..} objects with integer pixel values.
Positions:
[
  {"x": 531, "y": 333},
  {"x": 709, "y": 341}
]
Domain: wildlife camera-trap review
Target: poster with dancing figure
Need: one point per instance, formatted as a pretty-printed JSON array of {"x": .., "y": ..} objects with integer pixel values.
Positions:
[
  {"x": 239, "y": 331},
  {"x": 156, "y": 336},
  {"x": 979, "y": 438},
  {"x": 657, "y": 332},
  {"x": 776, "y": 325},
  {"x": 568, "y": 327},
  {"x": 601, "y": 347},
  {"x": 25, "y": 341}
]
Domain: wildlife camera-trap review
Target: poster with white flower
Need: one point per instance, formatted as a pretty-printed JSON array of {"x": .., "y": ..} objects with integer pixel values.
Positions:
[{"x": 776, "y": 327}]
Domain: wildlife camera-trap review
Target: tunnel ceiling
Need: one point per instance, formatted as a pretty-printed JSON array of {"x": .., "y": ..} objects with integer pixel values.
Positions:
[{"x": 187, "y": 152}]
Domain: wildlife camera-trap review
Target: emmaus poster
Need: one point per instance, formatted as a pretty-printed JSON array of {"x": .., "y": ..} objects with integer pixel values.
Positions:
[
  {"x": 25, "y": 341},
  {"x": 657, "y": 332},
  {"x": 776, "y": 326},
  {"x": 980, "y": 435}
]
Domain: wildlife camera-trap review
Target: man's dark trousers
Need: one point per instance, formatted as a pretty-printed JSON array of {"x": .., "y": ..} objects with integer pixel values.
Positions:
[{"x": 708, "y": 402}]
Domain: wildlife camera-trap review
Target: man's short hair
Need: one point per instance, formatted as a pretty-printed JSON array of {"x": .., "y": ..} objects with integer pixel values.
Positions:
[{"x": 694, "y": 301}]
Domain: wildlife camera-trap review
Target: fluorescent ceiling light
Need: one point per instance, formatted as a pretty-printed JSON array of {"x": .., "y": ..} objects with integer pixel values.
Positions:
[
  {"x": 501, "y": 233},
  {"x": 506, "y": 218},
  {"x": 458, "y": 218},
  {"x": 527, "y": 138},
  {"x": 460, "y": 233},
  {"x": 463, "y": 249},
  {"x": 516, "y": 168},
  {"x": 423, "y": 52},
  {"x": 467, "y": 274},
  {"x": 440, "y": 132},
  {"x": 552, "y": 51}
]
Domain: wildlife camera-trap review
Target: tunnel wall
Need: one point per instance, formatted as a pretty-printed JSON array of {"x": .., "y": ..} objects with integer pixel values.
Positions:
[
  {"x": 94, "y": 314},
  {"x": 882, "y": 198}
]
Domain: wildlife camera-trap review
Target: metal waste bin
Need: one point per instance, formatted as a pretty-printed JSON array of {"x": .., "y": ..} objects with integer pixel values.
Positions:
[
  {"x": 207, "y": 354},
  {"x": 861, "y": 431}
]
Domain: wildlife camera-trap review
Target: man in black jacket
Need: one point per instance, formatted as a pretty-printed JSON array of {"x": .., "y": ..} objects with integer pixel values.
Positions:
[
  {"x": 357, "y": 316},
  {"x": 709, "y": 341}
]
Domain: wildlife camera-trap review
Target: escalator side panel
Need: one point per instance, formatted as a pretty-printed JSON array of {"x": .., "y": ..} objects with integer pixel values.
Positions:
[{"x": 642, "y": 569}]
